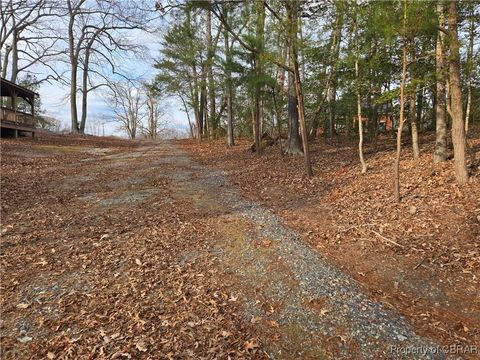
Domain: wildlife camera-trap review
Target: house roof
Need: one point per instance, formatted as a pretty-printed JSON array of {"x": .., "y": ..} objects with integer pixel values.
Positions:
[{"x": 8, "y": 87}]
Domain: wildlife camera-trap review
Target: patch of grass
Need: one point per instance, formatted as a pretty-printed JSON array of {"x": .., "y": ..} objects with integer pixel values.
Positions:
[
  {"x": 57, "y": 149},
  {"x": 299, "y": 343}
]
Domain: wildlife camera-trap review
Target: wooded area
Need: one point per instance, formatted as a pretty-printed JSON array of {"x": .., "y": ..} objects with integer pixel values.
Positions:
[
  {"x": 292, "y": 71},
  {"x": 286, "y": 70},
  {"x": 325, "y": 206}
]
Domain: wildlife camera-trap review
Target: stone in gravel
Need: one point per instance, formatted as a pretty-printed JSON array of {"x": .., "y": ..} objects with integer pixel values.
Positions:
[{"x": 24, "y": 339}]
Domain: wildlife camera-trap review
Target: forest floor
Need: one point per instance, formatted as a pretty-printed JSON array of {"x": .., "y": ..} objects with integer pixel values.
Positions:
[
  {"x": 120, "y": 249},
  {"x": 420, "y": 257}
]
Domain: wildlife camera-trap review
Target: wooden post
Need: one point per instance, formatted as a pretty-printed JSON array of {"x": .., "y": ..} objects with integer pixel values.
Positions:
[{"x": 14, "y": 105}]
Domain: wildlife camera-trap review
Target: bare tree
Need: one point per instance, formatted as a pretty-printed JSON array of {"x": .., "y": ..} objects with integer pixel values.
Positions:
[
  {"x": 153, "y": 114},
  {"x": 27, "y": 38},
  {"x": 96, "y": 35},
  {"x": 126, "y": 101}
]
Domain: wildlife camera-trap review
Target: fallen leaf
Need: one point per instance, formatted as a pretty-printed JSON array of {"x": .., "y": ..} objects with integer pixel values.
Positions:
[
  {"x": 141, "y": 346},
  {"x": 226, "y": 334},
  {"x": 250, "y": 345},
  {"x": 255, "y": 319}
]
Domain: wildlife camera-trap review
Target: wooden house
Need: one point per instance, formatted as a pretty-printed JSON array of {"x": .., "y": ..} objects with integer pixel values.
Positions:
[{"x": 17, "y": 114}]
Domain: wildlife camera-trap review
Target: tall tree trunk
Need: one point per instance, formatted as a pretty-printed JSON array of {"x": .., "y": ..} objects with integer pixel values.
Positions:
[
  {"x": 412, "y": 98},
  {"x": 5, "y": 62},
  {"x": 14, "y": 49},
  {"x": 73, "y": 96},
  {"x": 260, "y": 9},
  {"x": 292, "y": 11},
  {"x": 277, "y": 117},
  {"x": 197, "y": 105},
  {"x": 471, "y": 35},
  {"x": 190, "y": 125},
  {"x": 195, "y": 91},
  {"x": 203, "y": 103},
  {"x": 359, "y": 99},
  {"x": 293, "y": 140},
  {"x": 331, "y": 97},
  {"x": 440, "y": 153},
  {"x": 83, "y": 118},
  {"x": 228, "y": 87},
  {"x": 73, "y": 70},
  {"x": 402, "y": 108},
  {"x": 458, "y": 126},
  {"x": 211, "y": 81},
  {"x": 329, "y": 92},
  {"x": 335, "y": 52},
  {"x": 420, "y": 97},
  {"x": 413, "y": 125}
]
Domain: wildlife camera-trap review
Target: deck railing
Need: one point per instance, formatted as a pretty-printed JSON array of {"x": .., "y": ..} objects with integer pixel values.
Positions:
[{"x": 16, "y": 117}]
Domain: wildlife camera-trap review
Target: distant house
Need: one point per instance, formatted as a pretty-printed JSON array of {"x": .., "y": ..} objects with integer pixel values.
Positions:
[{"x": 17, "y": 109}]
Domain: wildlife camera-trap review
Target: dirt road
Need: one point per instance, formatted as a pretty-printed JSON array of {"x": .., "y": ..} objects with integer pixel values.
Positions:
[{"x": 143, "y": 253}]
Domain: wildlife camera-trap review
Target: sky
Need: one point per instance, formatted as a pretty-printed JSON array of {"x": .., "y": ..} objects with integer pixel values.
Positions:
[{"x": 55, "y": 102}]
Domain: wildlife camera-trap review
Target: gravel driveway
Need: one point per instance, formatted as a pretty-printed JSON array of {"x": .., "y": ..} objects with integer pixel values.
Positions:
[{"x": 318, "y": 306}]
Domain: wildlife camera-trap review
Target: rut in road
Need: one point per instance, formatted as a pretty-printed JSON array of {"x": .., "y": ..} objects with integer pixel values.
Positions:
[{"x": 315, "y": 305}]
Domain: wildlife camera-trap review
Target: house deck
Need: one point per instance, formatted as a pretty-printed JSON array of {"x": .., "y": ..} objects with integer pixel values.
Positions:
[{"x": 16, "y": 109}]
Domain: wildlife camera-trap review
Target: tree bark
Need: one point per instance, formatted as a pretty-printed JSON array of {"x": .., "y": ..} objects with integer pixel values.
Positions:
[
  {"x": 211, "y": 81},
  {"x": 83, "y": 118},
  {"x": 420, "y": 97},
  {"x": 203, "y": 103},
  {"x": 258, "y": 72},
  {"x": 440, "y": 153},
  {"x": 329, "y": 92},
  {"x": 5, "y": 61},
  {"x": 402, "y": 108},
  {"x": 73, "y": 70},
  {"x": 293, "y": 140},
  {"x": 359, "y": 99},
  {"x": 14, "y": 49},
  {"x": 229, "y": 89},
  {"x": 197, "y": 105},
  {"x": 413, "y": 125},
  {"x": 190, "y": 125},
  {"x": 332, "y": 88},
  {"x": 292, "y": 11},
  {"x": 413, "y": 114},
  {"x": 458, "y": 126},
  {"x": 277, "y": 116},
  {"x": 471, "y": 35}
]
